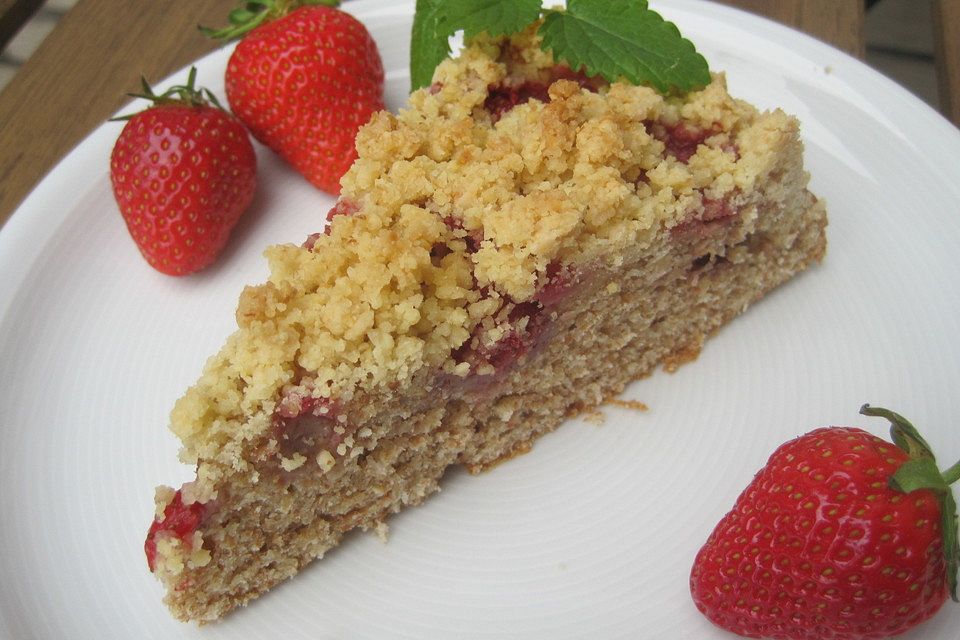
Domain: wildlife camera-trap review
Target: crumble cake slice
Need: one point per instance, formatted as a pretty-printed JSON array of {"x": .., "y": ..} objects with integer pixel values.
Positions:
[{"x": 513, "y": 248}]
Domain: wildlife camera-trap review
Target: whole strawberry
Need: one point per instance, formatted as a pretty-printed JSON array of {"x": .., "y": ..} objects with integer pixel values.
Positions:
[
  {"x": 841, "y": 535},
  {"x": 183, "y": 171},
  {"x": 303, "y": 79}
]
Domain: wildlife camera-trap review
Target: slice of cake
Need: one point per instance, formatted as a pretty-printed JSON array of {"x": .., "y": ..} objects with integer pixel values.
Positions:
[{"x": 512, "y": 249}]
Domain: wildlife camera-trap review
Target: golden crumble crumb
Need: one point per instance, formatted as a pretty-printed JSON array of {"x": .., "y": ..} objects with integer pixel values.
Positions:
[
  {"x": 595, "y": 417},
  {"x": 163, "y": 496},
  {"x": 636, "y": 405},
  {"x": 198, "y": 556},
  {"x": 326, "y": 461},
  {"x": 294, "y": 462}
]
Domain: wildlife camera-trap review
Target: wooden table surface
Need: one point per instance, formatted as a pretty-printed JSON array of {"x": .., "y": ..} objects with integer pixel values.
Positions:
[{"x": 80, "y": 74}]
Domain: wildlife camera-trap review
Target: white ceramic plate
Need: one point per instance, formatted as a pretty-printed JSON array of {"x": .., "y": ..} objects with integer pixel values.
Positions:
[{"x": 593, "y": 533}]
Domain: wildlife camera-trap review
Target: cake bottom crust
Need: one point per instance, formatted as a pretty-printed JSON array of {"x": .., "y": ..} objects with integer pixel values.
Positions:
[{"x": 618, "y": 325}]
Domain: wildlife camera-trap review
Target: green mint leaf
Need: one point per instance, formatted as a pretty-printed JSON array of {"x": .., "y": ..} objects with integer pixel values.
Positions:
[
  {"x": 436, "y": 20},
  {"x": 496, "y": 17},
  {"x": 429, "y": 42},
  {"x": 613, "y": 38},
  {"x": 624, "y": 38}
]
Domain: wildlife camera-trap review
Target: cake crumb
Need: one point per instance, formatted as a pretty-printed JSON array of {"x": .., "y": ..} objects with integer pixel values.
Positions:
[
  {"x": 595, "y": 417},
  {"x": 199, "y": 557},
  {"x": 636, "y": 405},
  {"x": 683, "y": 355},
  {"x": 485, "y": 370},
  {"x": 325, "y": 460},
  {"x": 292, "y": 463},
  {"x": 382, "y": 530},
  {"x": 161, "y": 498}
]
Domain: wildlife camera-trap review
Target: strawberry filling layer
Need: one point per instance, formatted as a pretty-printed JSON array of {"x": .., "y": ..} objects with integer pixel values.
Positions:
[
  {"x": 557, "y": 284},
  {"x": 503, "y": 97},
  {"x": 713, "y": 216},
  {"x": 306, "y": 425},
  {"x": 682, "y": 138},
  {"x": 525, "y": 328},
  {"x": 178, "y": 519},
  {"x": 343, "y": 207},
  {"x": 473, "y": 237}
]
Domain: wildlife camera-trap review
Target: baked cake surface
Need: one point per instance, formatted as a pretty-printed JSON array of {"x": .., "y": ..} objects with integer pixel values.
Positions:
[{"x": 514, "y": 247}]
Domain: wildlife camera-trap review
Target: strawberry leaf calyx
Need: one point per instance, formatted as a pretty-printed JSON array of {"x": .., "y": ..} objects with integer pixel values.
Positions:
[
  {"x": 921, "y": 472},
  {"x": 186, "y": 94},
  {"x": 250, "y": 14},
  {"x": 904, "y": 434}
]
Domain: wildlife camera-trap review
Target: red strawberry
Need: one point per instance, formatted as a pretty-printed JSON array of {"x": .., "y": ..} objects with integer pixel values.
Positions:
[
  {"x": 183, "y": 172},
  {"x": 304, "y": 82},
  {"x": 841, "y": 535}
]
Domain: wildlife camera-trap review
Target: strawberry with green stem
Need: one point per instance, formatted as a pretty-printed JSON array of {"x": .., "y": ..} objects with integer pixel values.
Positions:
[
  {"x": 183, "y": 171},
  {"x": 841, "y": 535},
  {"x": 304, "y": 78}
]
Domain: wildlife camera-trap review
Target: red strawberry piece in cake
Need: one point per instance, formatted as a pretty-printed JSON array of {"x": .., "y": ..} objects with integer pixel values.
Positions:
[
  {"x": 179, "y": 521},
  {"x": 503, "y": 97}
]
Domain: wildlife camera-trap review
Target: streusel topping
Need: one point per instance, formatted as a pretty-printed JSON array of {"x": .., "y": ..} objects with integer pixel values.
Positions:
[{"x": 453, "y": 209}]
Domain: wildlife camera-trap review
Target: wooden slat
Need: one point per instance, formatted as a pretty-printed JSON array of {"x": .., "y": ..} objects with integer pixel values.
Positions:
[
  {"x": 81, "y": 72},
  {"x": 13, "y": 14},
  {"x": 946, "y": 22},
  {"x": 838, "y": 22}
]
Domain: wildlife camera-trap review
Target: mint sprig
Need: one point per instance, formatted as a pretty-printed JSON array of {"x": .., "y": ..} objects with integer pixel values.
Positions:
[
  {"x": 624, "y": 38},
  {"x": 496, "y": 17},
  {"x": 617, "y": 39},
  {"x": 436, "y": 20},
  {"x": 429, "y": 42}
]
